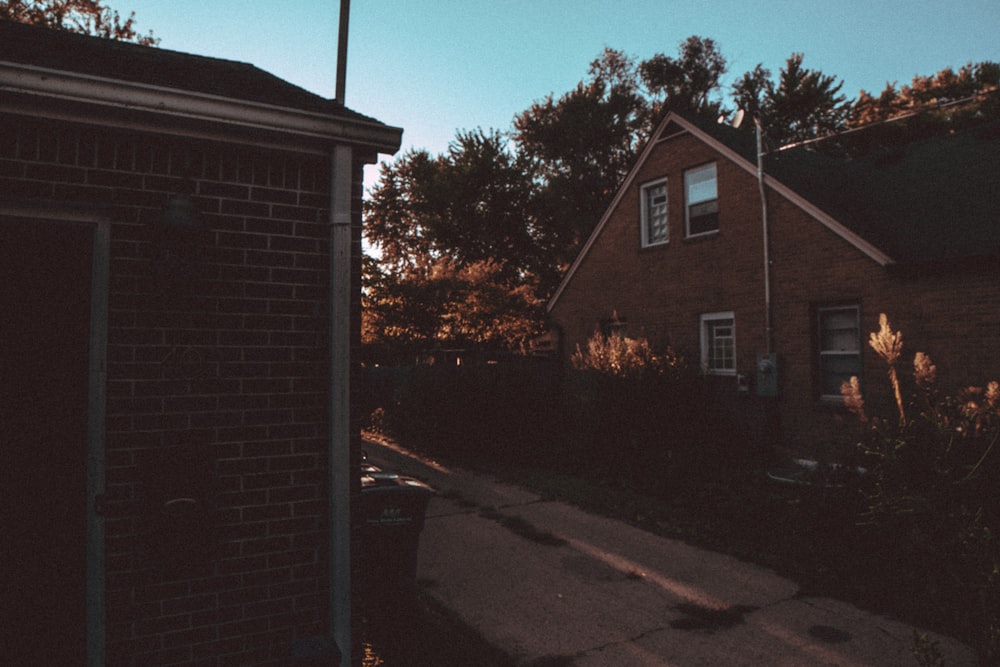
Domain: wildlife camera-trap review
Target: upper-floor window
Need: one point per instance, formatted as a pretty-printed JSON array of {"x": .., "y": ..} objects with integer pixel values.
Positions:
[
  {"x": 701, "y": 200},
  {"x": 654, "y": 213},
  {"x": 718, "y": 343},
  {"x": 839, "y": 334}
]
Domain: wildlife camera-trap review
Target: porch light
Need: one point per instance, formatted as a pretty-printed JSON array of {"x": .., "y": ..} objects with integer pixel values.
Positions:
[{"x": 176, "y": 238}]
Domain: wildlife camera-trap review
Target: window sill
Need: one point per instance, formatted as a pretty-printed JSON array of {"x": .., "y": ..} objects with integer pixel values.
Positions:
[{"x": 704, "y": 236}]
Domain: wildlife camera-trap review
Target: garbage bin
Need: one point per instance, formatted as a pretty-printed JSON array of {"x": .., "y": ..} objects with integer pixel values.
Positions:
[{"x": 393, "y": 508}]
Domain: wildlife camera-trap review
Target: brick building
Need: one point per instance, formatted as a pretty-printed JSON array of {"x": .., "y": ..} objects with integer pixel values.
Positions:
[
  {"x": 910, "y": 230},
  {"x": 180, "y": 253}
]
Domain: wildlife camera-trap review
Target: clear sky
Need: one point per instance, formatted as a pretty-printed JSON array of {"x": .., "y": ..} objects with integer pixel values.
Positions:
[{"x": 434, "y": 67}]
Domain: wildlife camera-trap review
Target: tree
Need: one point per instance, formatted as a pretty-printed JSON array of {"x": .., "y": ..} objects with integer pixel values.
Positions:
[
  {"x": 686, "y": 84},
  {"x": 462, "y": 258},
  {"x": 88, "y": 17},
  {"x": 973, "y": 87},
  {"x": 751, "y": 90},
  {"x": 581, "y": 146},
  {"x": 803, "y": 104},
  {"x": 468, "y": 205}
]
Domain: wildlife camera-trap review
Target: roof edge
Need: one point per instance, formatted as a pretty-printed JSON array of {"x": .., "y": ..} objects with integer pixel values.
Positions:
[{"x": 70, "y": 86}]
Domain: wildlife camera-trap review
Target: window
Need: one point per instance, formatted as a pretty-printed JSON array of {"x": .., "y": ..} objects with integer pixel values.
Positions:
[
  {"x": 839, "y": 347},
  {"x": 718, "y": 343},
  {"x": 701, "y": 200},
  {"x": 654, "y": 213}
]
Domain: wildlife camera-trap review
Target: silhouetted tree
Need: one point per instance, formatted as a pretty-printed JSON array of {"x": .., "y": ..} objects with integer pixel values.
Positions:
[
  {"x": 88, "y": 17},
  {"x": 686, "y": 84},
  {"x": 582, "y": 145}
]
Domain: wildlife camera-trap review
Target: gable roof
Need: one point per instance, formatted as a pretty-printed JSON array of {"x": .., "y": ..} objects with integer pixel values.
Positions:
[
  {"x": 927, "y": 201},
  {"x": 45, "y": 62}
]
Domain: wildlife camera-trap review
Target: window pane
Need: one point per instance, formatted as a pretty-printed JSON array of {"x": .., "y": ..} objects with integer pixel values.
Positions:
[
  {"x": 656, "y": 213},
  {"x": 703, "y": 217},
  {"x": 720, "y": 345},
  {"x": 837, "y": 369},
  {"x": 839, "y": 330},
  {"x": 701, "y": 199},
  {"x": 701, "y": 184}
]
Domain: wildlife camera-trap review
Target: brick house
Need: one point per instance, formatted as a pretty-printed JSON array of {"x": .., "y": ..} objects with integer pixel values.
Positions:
[
  {"x": 911, "y": 230},
  {"x": 180, "y": 248}
]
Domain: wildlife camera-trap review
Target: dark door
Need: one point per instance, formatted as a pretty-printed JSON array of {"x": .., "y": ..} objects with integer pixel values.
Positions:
[{"x": 45, "y": 292}]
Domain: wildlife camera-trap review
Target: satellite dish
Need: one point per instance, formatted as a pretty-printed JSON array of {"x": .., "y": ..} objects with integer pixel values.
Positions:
[{"x": 738, "y": 118}]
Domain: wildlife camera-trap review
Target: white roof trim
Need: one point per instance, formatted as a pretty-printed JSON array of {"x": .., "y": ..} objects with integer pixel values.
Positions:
[
  {"x": 777, "y": 186},
  {"x": 70, "y": 86}
]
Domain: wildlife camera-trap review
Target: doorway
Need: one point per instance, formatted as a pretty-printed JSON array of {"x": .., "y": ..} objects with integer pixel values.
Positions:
[{"x": 45, "y": 329}]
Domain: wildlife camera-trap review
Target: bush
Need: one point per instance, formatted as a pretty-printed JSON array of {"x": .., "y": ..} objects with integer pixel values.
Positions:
[
  {"x": 931, "y": 510},
  {"x": 640, "y": 416},
  {"x": 480, "y": 415}
]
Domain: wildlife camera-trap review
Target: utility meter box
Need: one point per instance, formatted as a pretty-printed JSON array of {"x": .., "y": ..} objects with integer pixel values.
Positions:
[{"x": 767, "y": 374}]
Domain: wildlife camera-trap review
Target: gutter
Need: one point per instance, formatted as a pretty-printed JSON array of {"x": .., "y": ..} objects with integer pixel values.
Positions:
[{"x": 189, "y": 105}]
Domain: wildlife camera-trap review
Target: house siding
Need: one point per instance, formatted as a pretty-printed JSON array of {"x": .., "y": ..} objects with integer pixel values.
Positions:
[
  {"x": 224, "y": 362},
  {"x": 661, "y": 291}
]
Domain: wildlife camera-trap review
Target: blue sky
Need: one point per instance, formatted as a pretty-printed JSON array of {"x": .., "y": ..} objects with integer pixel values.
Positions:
[{"x": 434, "y": 67}]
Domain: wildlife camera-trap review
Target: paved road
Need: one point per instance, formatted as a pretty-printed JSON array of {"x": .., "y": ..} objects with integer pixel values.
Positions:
[{"x": 552, "y": 585}]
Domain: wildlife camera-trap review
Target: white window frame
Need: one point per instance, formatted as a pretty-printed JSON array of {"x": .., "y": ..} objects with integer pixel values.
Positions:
[
  {"x": 645, "y": 221},
  {"x": 708, "y": 341},
  {"x": 825, "y": 353},
  {"x": 707, "y": 197}
]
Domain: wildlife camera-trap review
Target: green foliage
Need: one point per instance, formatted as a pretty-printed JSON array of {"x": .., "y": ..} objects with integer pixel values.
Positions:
[
  {"x": 582, "y": 145},
  {"x": 480, "y": 415},
  {"x": 972, "y": 82},
  {"x": 620, "y": 356},
  {"x": 688, "y": 83},
  {"x": 88, "y": 17},
  {"x": 460, "y": 256},
  {"x": 508, "y": 211},
  {"x": 802, "y": 104},
  {"x": 931, "y": 511},
  {"x": 661, "y": 427}
]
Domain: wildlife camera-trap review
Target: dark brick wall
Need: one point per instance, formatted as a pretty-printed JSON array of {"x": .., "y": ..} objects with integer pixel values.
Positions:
[
  {"x": 949, "y": 313},
  {"x": 218, "y": 381}
]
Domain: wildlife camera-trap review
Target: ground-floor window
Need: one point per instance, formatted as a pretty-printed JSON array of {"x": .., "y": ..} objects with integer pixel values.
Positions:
[
  {"x": 839, "y": 336},
  {"x": 718, "y": 343}
]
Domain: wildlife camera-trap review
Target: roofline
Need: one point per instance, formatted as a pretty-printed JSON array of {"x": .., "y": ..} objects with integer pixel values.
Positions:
[
  {"x": 181, "y": 104},
  {"x": 777, "y": 186}
]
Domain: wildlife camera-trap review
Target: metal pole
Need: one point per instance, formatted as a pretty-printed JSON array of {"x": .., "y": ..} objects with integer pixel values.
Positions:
[{"x": 345, "y": 14}]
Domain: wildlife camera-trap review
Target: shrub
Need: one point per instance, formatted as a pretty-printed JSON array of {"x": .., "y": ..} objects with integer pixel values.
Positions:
[{"x": 931, "y": 509}]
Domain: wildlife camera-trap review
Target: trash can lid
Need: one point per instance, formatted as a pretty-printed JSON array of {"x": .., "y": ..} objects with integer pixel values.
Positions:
[{"x": 385, "y": 482}]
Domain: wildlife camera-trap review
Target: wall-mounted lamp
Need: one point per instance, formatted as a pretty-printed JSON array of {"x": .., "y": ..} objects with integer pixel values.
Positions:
[
  {"x": 181, "y": 213},
  {"x": 177, "y": 239}
]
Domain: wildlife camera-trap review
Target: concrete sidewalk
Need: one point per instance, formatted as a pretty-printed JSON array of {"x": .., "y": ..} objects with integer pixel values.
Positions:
[{"x": 552, "y": 585}]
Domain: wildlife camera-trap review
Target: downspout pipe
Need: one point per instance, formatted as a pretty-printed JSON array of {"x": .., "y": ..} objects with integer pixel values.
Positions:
[
  {"x": 767, "y": 241},
  {"x": 340, "y": 471},
  {"x": 340, "y": 418}
]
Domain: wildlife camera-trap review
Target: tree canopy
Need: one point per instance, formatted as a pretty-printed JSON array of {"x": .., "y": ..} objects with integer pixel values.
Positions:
[
  {"x": 471, "y": 243},
  {"x": 88, "y": 17}
]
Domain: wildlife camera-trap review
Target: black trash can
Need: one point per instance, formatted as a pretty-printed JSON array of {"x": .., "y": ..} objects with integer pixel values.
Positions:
[{"x": 393, "y": 508}]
